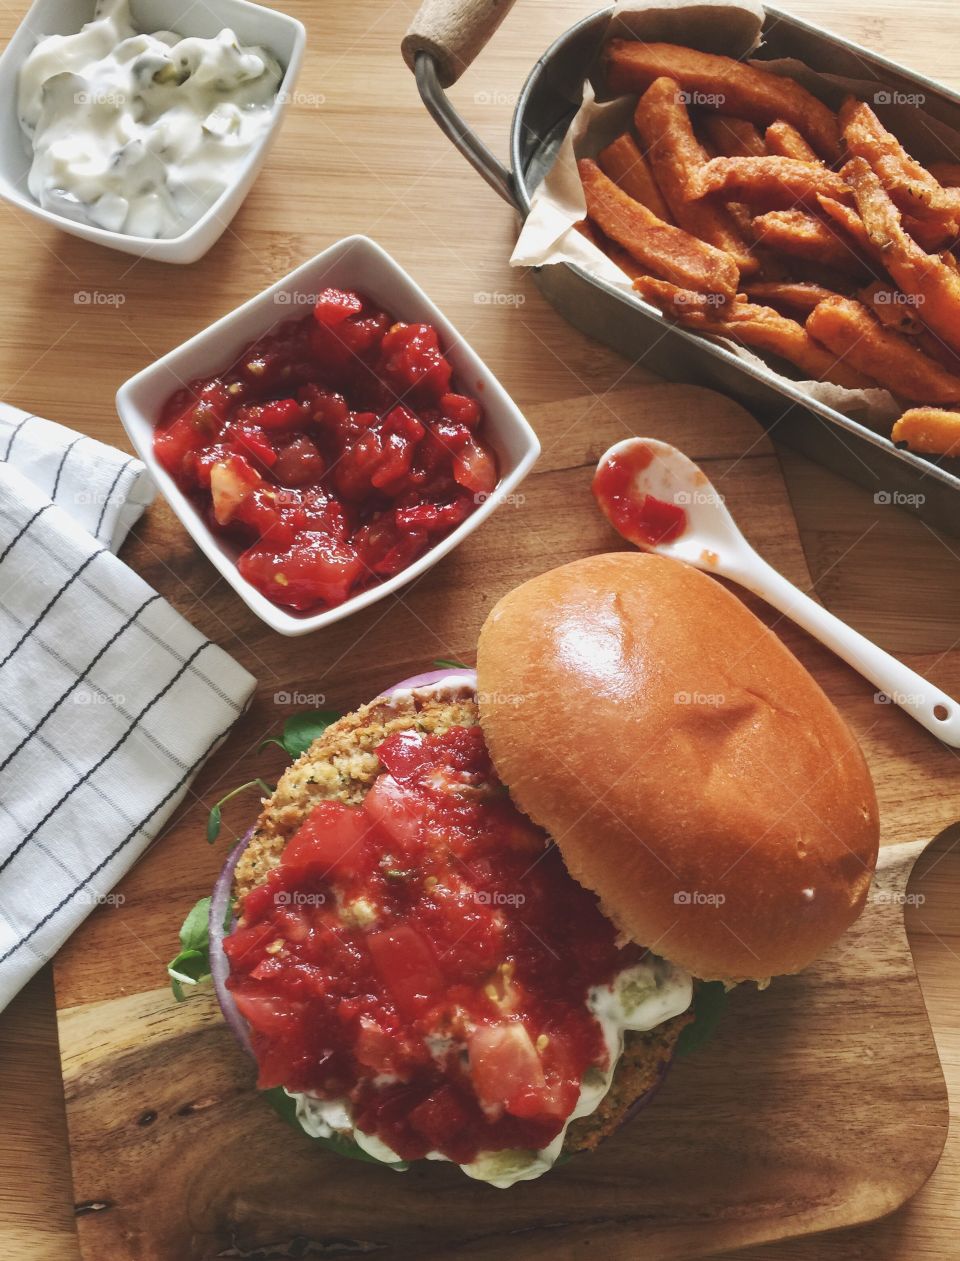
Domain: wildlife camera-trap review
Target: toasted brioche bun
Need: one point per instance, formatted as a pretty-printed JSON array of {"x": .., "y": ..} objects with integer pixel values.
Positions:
[
  {"x": 341, "y": 765},
  {"x": 693, "y": 774}
]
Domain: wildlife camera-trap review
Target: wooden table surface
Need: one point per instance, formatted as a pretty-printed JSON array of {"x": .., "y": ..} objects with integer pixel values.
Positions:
[{"x": 357, "y": 153}]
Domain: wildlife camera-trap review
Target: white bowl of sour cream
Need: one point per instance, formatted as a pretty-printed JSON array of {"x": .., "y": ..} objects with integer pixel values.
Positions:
[{"x": 142, "y": 124}]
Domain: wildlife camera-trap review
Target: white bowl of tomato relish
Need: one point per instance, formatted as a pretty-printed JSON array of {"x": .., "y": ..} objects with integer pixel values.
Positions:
[{"x": 330, "y": 440}]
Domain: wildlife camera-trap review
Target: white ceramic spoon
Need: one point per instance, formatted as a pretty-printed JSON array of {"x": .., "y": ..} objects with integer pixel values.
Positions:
[{"x": 712, "y": 541}]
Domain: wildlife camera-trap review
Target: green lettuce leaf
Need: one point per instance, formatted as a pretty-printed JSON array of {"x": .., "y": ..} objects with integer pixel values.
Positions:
[{"x": 709, "y": 1004}]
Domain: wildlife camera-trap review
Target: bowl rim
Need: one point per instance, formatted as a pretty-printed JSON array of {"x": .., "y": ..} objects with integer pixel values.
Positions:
[
  {"x": 139, "y": 427},
  {"x": 162, "y": 249}
]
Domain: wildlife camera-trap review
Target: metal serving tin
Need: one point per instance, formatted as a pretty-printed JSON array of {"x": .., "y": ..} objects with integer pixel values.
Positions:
[{"x": 548, "y": 102}]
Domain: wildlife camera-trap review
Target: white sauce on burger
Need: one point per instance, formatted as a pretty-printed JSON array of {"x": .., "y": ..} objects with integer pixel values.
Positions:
[{"x": 641, "y": 997}]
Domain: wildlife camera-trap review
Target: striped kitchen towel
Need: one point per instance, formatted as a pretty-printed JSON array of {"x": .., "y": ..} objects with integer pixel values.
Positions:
[
  {"x": 102, "y": 489},
  {"x": 109, "y": 700}
]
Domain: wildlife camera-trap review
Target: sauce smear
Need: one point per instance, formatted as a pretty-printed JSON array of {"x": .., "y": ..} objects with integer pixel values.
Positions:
[{"x": 642, "y": 518}]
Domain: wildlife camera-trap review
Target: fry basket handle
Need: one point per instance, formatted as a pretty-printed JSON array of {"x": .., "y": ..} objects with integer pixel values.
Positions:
[
  {"x": 453, "y": 32},
  {"x": 443, "y": 39}
]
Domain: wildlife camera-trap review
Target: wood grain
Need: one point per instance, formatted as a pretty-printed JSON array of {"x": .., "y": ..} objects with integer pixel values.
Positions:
[
  {"x": 762, "y": 1135},
  {"x": 368, "y": 159},
  {"x": 797, "y": 1077}
]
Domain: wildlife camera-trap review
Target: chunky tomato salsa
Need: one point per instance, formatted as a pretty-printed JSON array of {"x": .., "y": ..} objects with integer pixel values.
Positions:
[
  {"x": 332, "y": 454},
  {"x": 640, "y": 517},
  {"x": 426, "y": 959}
]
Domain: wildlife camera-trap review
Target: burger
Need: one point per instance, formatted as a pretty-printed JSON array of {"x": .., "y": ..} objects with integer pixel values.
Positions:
[{"x": 471, "y": 922}]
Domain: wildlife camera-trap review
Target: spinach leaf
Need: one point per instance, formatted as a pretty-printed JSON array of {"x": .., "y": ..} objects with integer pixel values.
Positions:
[
  {"x": 216, "y": 814},
  {"x": 192, "y": 965},
  {"x": 709, "y": 1004},
  {"x": 300, "y": 730}
]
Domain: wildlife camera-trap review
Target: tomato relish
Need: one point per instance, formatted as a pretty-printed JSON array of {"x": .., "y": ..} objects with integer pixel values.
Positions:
[
  {"x": 332, "y": 454},
  {"x": 425, "y": 958},
  {"x": 642, "y": 518}
]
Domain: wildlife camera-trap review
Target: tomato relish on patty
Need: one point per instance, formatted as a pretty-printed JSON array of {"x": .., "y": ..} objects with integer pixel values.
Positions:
[{"x": 415, "y": 963}]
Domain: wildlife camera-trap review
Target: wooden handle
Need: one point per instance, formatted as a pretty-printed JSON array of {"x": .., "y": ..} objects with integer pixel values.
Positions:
[{"x": 453, "y": 32}]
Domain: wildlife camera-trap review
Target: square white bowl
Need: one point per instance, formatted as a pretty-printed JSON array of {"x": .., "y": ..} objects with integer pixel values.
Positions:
[
  {"x": 357, "y": 263},
  {"x": 280, "y": 34}
]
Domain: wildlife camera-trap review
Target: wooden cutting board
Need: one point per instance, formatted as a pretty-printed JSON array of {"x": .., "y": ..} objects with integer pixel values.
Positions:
[{"x": 820, "y": 1103}]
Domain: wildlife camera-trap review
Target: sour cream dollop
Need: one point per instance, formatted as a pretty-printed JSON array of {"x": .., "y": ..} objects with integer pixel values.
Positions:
[{"x": 140, "y": 133}]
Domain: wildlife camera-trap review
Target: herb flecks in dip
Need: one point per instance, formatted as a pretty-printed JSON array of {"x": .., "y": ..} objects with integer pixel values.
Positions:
[{"x": 141, "y": 133}]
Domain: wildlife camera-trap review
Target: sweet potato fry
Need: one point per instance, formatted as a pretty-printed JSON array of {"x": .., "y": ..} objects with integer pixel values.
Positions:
[
  {"x": 801, "y": 235},
  {"x": 892, "y": 308},
  {"x": 929, "y": 431},
  {"x": 684, "y": 305},
  {"x": 848, "y": 329},
  {"x": 616, "y": 253},
  {"x": 733, "y": 137},
  {"x": 926, "y": 232},
  {"x": 910, "y": 185},
  {"x": 932, "y": 345},
  {"x": 759, "y": 327},
  {"x": 723, "y": 84},
  {"x": 847, "y": 218},
  {"x": 946, "y": 173},
  {"x": 662, "y": 248},
  {"x": 785, "y": 141},
  {"x": 676, "y": 159},
  {"x": 769, "y": 183},
  {"x": 800, "y": 296},
  {"x": 934, "y": 283},
  {"x": 932, "y": 234},
  {"x": 623, "y": 162}
]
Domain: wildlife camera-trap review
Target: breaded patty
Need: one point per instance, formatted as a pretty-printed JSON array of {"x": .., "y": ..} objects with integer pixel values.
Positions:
[{"x": 341, "y": 766}]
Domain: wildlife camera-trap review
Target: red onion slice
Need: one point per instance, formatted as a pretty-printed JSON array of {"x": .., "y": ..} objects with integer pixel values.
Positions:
[
  {"x": 219, "y": 963},
  {"x": 459, "y": 674}
]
